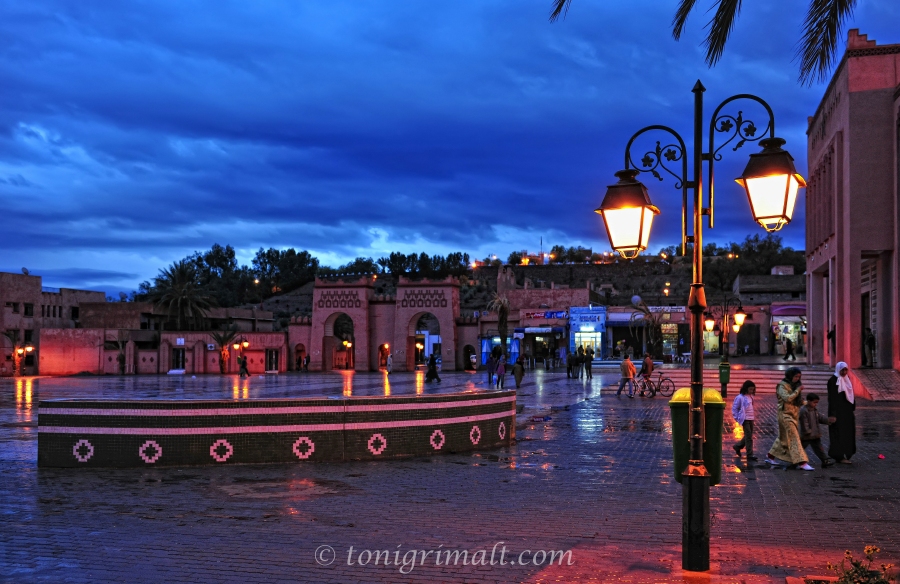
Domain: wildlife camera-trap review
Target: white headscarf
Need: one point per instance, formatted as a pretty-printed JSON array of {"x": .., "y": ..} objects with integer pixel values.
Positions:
[{"x": 843, "y": 382}]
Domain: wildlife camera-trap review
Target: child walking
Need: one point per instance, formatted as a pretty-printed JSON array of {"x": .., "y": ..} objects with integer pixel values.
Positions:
[
  {"x": 742, "y": 410},
  {"x": 810, "y": 434}
]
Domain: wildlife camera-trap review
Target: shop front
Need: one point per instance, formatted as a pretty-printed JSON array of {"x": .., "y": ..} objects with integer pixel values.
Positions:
[
  {"x": 587, "y": 328},
  {"x": 788, "y": 322},
  {"x": 542, "y": 335}
]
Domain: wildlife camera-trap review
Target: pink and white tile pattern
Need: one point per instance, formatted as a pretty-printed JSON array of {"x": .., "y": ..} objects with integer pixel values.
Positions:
[
  {"x": 475, "y": 435},
  {"x": 377, "y": 444},
  {"x": 437, "y": 439},
  {"x": 214, "y": 450},
  {"x": 89, "y": 452},
  {"x": 299, "y": 452},
  {"x": 153, "y": 447}
]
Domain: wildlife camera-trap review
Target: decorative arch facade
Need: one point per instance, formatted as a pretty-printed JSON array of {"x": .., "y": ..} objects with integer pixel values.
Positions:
[{"x": 378, "y": 320}]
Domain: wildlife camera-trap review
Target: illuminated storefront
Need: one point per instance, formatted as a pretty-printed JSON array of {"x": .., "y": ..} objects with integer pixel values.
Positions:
[{"x": 587, "y": 326}]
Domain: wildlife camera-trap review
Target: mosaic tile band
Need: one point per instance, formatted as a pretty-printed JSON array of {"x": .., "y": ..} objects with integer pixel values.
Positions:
[{"x": 121, "y": 433}]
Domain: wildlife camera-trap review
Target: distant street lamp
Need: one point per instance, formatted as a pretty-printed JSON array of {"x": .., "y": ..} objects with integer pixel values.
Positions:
[
  {"x": 771, "y": 183},
  {"x": 20, "y": 353}
]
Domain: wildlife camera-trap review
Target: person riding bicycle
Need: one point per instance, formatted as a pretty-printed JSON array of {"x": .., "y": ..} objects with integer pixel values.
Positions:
[{"x": 647, "y": 372}]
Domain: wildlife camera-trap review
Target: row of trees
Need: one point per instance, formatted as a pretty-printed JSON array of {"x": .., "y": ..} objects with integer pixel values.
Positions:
[{"x": 189, "y": 287}]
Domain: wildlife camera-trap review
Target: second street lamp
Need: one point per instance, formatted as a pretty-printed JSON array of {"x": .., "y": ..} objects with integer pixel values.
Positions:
[{"x": 770, "y": 182}]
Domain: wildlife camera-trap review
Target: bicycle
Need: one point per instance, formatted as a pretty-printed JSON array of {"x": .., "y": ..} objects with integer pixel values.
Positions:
[{"x": 663, "y": 386}]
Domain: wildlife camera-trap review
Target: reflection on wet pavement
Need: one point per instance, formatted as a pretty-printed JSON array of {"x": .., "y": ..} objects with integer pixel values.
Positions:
[{"x": 596, "y": 478}]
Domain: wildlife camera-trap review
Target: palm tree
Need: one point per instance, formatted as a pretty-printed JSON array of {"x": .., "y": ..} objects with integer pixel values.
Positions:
[
  {"x": 177, "y": 290},
  {"x": 223, "y": 340},
  {"x": 652, "y": 323},
  {"x": 500, "y": 305},
  {"x": 821, "y": 31},
  {"x": 121, "y": 346}
]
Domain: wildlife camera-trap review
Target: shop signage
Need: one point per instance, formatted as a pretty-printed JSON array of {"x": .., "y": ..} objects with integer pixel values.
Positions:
[
  {"x": 545, "y": 314},
  {"x": 667, "y": 309},
  {"x": 538, "y": 329}
]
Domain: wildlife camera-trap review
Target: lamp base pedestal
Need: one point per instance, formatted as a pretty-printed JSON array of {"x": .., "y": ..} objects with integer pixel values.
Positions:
[{"x": 695, "y": 521}]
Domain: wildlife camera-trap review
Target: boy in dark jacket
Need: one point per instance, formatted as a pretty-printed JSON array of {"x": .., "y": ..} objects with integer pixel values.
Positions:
[{"x": 810, "y": 434}]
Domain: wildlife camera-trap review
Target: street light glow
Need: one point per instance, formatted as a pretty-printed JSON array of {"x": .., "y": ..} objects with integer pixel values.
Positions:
[{"x": 771, "y": 182}]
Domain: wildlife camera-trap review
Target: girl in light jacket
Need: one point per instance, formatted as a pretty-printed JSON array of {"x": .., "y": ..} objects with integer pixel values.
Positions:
[{"x": 742, "y": 410}]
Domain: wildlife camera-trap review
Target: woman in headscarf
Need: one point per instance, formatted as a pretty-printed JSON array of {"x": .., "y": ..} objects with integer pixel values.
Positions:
[
  {"x": 841, "y": 404},
  {"x": 787, "y": 449}
]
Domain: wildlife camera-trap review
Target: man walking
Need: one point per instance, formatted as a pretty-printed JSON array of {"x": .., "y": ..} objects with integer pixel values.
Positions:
[
  {"x": 789, "y": 349},
  {"x": 627, "y": 368},
  {"x": 589, "y": 362}
]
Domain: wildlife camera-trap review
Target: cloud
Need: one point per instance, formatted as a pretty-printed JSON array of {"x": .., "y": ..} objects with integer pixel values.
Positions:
[{"x": 144, "y": 132}]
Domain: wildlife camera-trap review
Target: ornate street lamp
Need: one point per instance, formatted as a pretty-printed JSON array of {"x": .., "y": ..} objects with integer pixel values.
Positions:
[{"x": 771, "y": 183}]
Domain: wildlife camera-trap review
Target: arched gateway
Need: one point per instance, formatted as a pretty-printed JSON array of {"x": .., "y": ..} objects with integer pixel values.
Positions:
[{"x": 381, "y": 324}]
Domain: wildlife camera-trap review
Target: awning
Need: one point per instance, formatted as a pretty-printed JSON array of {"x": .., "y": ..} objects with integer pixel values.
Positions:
[{"x": 789, "y": 310}]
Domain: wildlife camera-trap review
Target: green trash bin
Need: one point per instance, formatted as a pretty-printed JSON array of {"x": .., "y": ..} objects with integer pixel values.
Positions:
[
  {"x": 714, "y": 409},
  {"x": 724, "y": 372}
]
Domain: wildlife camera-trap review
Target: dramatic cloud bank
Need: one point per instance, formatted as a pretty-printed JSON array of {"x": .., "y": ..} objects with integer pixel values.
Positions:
[{"x": 137, "y": 133}]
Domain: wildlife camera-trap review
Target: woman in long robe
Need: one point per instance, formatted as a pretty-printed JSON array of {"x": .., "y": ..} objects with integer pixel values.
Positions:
[
  {"x": 787, "y": 449},
  {"x": 841, "y": 405}
]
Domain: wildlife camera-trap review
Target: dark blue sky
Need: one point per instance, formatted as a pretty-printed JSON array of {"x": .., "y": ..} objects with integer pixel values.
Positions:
[{"x": 135, "y": 133}]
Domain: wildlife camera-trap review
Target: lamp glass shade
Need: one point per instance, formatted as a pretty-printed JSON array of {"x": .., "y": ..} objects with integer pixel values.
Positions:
[
  {"x": 245, "y": 344},
  {"x": 739, "y": 317},
  {"x": 29, "y": 349},
  {"x": 771, "y": 182},
  {"x": 236, "y": 346},
  {"x": 709, "y": 323},
  {"x": 736, "y": 327},
  {"x": 629, "y": 229},
  {"x": 627, "y": 214}
]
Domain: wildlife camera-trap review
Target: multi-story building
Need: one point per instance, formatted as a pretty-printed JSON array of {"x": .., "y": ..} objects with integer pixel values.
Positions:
[
  {"x": 28, "y": 307},
  {"x": 852, "y": 208}
]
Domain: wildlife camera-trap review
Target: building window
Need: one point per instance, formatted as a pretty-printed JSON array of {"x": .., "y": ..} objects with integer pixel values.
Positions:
[
  {"x": 29, "y": 335},
  {"x": 795, "y": 295},
  {"x": 15, "y": 306},
  {"x": 29, "y": 309},
  {"x": 43, "y": 310},
  {"x": 15, "y": 335},
  {"x": 54, "y": 312},
  {"x": 75, "y": 313}
]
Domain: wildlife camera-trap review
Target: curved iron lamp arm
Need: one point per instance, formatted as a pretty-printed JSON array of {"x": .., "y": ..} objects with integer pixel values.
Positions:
[
  {"x": 652, "y": 161},
  {"x": 738, "y": 128}
]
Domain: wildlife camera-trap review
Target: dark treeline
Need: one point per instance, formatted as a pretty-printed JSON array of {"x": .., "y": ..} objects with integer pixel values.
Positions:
[{"x": 216, "y": 274}]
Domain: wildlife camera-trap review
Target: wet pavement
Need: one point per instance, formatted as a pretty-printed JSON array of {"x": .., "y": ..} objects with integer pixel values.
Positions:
[{"x": 595, "y": 481}]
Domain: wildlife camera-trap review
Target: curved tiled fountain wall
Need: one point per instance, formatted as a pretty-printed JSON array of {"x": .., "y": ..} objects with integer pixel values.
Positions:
[{"x": 132, "y": 433}]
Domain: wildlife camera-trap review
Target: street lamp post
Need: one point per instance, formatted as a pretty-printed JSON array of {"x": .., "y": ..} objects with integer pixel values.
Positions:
[
  {"x": 21, "y": 352},
  {"x": 241, "y": 344},
  {"x": 771, "y": 183}
]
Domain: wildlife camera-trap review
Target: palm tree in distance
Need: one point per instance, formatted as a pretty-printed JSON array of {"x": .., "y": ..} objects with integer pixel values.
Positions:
[
  {"x": 821, "y": 31},
  {"x": 223, "y": 340},
  {"x": 177, "y": 291},
  {"x": 500, "y": 305}
]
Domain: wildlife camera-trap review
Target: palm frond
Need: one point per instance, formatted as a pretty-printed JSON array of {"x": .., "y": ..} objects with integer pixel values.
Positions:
[
  {"x": 821, "y": 31},
  {"x": 681, "y": 16},
  {"x": 720, "y": 28},
  {"x": 559, "y": 7}
]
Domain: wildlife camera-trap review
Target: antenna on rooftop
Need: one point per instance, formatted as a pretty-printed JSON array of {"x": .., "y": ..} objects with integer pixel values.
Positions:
[{"x": 25, "y": 271}]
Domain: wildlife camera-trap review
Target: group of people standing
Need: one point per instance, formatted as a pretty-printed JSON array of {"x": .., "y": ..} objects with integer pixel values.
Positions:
[
  {"x": 579, "y": 364},
  {"x": 799, "y": 421},
  {"x": 496, "y": 370}
]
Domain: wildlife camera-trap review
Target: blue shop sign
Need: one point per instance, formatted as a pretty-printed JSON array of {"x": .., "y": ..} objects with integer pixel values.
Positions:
[{"x": 587, "y": 319}]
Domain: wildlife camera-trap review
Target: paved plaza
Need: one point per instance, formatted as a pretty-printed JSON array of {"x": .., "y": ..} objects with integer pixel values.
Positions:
[{"x": 595, "y": 480}]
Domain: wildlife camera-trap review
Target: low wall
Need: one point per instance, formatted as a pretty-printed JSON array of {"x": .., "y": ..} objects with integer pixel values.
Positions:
[{"x": 119, "y": 433}]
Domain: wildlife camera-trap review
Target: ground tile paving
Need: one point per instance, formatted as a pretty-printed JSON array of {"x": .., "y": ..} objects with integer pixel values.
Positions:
[{"x": 595, "y": 480}]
